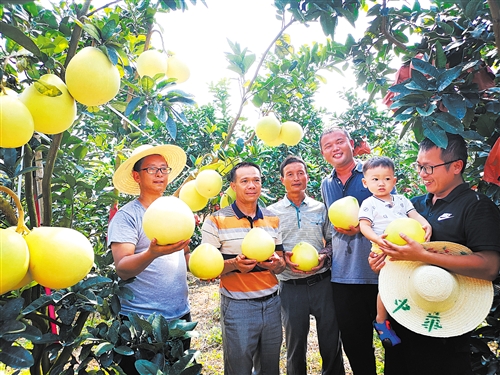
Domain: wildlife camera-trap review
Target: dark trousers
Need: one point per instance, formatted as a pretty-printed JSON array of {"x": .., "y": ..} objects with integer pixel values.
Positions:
[
  {"x": 356, "y": 308},
  {"x": 298, "y": 302},
  {"x": 418, "y": 354},
  {"x": 127, "y": 363}
]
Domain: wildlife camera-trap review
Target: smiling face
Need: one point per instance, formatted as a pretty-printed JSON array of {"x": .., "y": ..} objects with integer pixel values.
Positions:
[
  {"x": 444, "y": 178},
  {"x": 295, "y": 178},
  {"x": 380, "y": 181},
  {"x": 152, "y": 183},
  {"x": 337, "y": 149},
  {"x": 247, "y": 185}
]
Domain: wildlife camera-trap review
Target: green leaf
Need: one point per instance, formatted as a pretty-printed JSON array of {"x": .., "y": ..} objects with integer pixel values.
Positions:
[
  {"x": 16, "y": 357},
  {"x": 18, "y": 36},
  {"x": 160, "y": 328},
  {"x": 440, "y": 56},
  {"x": 12, "y": 309},
  {"x": 146, "y": 368},
  {"x": 449, "y": 123},
  {"x": 447, "y": 77},
  {"x": 92, "y": 31},
  {"x": 147, "y": 84},
  {"x": 456, "y": 105},
  {"x": 108, "y": 30},
  {"x": 124, "y": 350},
  {"x": 424, "y": 67},
  {"x": 472, "y": 8},
  {"x": 171, "y": 127},
  {"x": 11, "y": 326},
  {"x": 328, "y": 23},
  {"x": 435, "y": 133},
  {"x": 103, "y": 348},
  {"x": 132, "y": 105}
]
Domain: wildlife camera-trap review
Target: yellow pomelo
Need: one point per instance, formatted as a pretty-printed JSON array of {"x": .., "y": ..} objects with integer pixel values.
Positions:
[
  {"x": 16, "y": 122},
  {"x": 91, "y": 78},
  {"x": 291, "y": 133},
  {"x": 169, "y": 220},
  {"x": 190, "y": 195},
  {"x": 258, "y": 245},
  {"x": 228, "y": 197},
  {"x": 406, "y": 225},
  {"x": 228, "y": 165},
  {"x": 177, "y": 69},
  {"x": 59, "y": 257},
  {"x": 268, "y": 128},
  {"x": 51, "y": 114},
  {"x": 343, "y": 213},
  {"x": 206, "y": 262},
  {"x": 14, "y": 259},
  {"x": 151, "y": 62},
  {"x": 24, "y": 281},
  {"x": 208, "y": 183},
  {"x": 305, "y": 255},
  {"x": 274, "y": 143}
]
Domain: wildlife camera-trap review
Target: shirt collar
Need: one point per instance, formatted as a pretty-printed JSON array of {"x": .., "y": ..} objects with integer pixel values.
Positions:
[
  {"x": 452, "y": 195},
  {"x": 357, "y": 168},
  {"x": 241, "y": 215},
  {"x": 287, "y": 202}
]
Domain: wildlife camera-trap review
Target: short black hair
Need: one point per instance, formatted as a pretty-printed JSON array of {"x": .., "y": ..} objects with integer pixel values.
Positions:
[
  {"x": 456, "y": 149},
  {"x": 232, "y": 174},
  {"x": 138, "y": 164},
  {"x": 378, "y": 161},
  {"x": 289, "y": 160},
  {"x": 333, "y": 129}
]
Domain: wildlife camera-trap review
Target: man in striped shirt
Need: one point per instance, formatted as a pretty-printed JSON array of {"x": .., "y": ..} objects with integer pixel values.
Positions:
[
  {"x": 303, "y": 219},
  {"x": 250, "y": 304}
]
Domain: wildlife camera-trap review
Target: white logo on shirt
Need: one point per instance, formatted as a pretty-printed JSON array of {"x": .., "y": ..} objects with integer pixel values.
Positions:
[{"x": 445, "y": 217}]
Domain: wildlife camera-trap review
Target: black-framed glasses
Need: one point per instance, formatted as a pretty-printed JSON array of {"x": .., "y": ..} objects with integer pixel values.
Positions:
[
  {"x": 429, "y": 169},
  {"x": 154, "y": 170}
]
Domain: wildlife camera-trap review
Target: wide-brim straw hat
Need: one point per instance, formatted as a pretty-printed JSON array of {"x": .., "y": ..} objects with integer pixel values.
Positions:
[
  {"x": 174, "y": 156},
  {"x": 432, "y": 301}
]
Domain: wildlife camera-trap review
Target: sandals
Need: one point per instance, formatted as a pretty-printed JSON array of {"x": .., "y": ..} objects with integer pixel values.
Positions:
[{"x": 386, "y": 334}]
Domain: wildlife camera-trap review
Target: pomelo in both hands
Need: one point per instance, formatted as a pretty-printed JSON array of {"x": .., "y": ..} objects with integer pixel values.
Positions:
[
  {"x": 177, "y": 69},
  {"x": 190, "y": 195},
  {"x": 169, "y": 220},
  {"x": 151, "y": 62},
  {"x": 305, "y": 255},
  {"x": 51, "y": 114},
  {"x": 411, "y": 227},
  {"x": 291, "y": 133},
  {"x": 268, "y": 128},
  {"x": 343, "y": 213},
  {"x": 59, "y": 257},
  {"x": 91, "y": 78},
  {"x": 206, "y": 262},
  {"x": 208, "y": 183},
  {"x": 16, "y": 122},
  {"x": 258, "y": 245},
  {"x": 14, "y": 259}
]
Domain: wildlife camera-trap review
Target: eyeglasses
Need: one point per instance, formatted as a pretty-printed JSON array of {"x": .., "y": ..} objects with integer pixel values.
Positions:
[
  {"x": 429, "y": 169},
  {"x": 154, "y": 170}
]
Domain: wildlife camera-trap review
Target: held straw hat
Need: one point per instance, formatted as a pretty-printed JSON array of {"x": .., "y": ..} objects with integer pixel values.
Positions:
[
  {"x": 123, "y": 179},
  {"x": 431, "y": 301}
]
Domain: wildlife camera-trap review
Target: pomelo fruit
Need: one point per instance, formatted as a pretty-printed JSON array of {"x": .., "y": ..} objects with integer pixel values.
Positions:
[
  {"x": 406, "y": 225},
  {"x": 208, "y": 183},
  {"x": 190, "y": 195},
  {"x": 177, "y": 69},
  {"x": 59, "y": 257},
  {"x": 291, "y": 133},
  {"x": 275, "y": 143},
  {"x": 228, "y": 197},
  {"x": 206, "y": 262},
  {"x": 51, "y": 114},
  {"x": 91, "y": 78},
  {"x": 268, "y": 128},
  {"x": 344, "y": 212},
  {"x": 169, "y": 220},
  {"x": 258, "y": 245},
  {"x": 16, "y": 122},
  {"x": 14, "y": 259},
  {"x": 151, "y": 62},
  {"x": 305, "y": 255}
]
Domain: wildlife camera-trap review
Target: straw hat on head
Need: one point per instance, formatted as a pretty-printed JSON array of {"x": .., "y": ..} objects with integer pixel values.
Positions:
[
  {"x": 174, "y": 156},
  {"x": 431, "y": 301}
]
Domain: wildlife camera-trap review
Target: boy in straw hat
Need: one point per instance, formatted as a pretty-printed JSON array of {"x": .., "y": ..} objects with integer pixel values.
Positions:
[
  {"x": 457, "y": 214},
  {"x": 160, "y": 272},
  {"x": 375, "y": 213}
]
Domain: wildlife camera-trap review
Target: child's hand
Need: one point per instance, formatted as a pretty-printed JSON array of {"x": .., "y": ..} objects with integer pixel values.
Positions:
[{"x": 428, "y": 231}]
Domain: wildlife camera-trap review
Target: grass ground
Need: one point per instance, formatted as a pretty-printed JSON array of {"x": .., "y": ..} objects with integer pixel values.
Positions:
[{"x": 204, "y": 298}]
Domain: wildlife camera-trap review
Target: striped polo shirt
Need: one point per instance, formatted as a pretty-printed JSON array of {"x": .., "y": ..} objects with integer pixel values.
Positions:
[
  {"x": 307, "y": 223},
  {"x": 225, "y": 229}
]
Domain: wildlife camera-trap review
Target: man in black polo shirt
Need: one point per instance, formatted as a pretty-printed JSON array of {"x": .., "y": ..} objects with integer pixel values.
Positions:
[{"x": 457, "y": 214}]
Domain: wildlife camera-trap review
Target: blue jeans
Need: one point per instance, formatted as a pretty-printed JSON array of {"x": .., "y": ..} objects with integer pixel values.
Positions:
[
  {"x": 251, "y": 336},
  {"x": 297, "y": 303}
]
